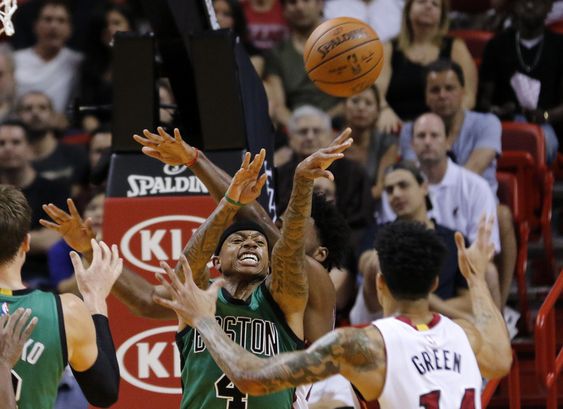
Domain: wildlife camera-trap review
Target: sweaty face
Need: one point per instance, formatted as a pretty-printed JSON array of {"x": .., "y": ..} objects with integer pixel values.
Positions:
[
  {"x": 310, "y": 134},
  {"x": 245, "y": 252},
  {"x": 426, "y": 12},
  {"x": 15, "y": 152},
  {"x": 429, "y": 139},
  {"x": 303, "y": 14},
  {"x": 406, "y": 197},
  {"x": 36, "y": 112},
  {"x": 361, "y": 110},
  {"x": 444, "y": 93},
  {"x": 53, "y": 27}
]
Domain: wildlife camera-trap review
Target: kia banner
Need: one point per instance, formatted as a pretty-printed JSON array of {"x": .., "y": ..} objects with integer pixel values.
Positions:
[{"x": 149, "y": 230}]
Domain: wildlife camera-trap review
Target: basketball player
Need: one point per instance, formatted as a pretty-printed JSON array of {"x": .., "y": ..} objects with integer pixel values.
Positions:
[
  {"x": 14, "y": 333},
  {"x": 68, "y": 329},
  {"x": 265, "y": 302},
  {"x": 412, "y": 358}
]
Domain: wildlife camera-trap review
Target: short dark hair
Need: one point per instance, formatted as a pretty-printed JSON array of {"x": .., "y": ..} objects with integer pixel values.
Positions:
[
  {"x": 332, "y": 230},
  {"x": 18, "y": 123},
  {"x": 411, "y": 257},
  {"x": 411, "y": 167},
  {"x": 443, "y": 65},
  {"x": 55, "y": 3},
  {"x": 15, "y": 221}
]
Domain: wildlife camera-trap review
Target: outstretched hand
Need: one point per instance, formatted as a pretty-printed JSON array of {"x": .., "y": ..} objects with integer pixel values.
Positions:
[
  {"x": 246, "y": 186},
  {"x": 14, "y": 333},
  {"x": 473, "y": 261},
  {"x": 188, "y": 301},
  {"x": 96, "y": 281},
  {"x": 76, "y": 232},
  {"x": 167, "y": 149},
  {"x": 315, "y": 165}
]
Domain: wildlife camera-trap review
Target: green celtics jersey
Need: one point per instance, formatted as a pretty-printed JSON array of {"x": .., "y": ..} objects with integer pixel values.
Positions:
[
  {"x": 37, "y": 374},
  {"x": 259, "y": 326}
]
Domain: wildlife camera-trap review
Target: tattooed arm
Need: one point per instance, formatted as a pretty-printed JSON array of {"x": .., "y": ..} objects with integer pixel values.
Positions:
[
  {"x": 358, "y": 354},
  {"x": 288, "y": 282},
  {"x": 245, "y": 187},
  {"x": 488, "y": 335}
]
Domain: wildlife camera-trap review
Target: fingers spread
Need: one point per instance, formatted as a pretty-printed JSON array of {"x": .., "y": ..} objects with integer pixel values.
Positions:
[{"x": 76, "y": 261}]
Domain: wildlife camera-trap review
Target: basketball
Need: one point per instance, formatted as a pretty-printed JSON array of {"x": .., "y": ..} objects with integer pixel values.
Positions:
[{"x": 343, "y": 56}]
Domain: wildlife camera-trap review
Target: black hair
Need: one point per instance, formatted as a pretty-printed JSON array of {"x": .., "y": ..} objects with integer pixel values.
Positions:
[
  {"x": 16, "y": 122},
  {"x": 411, "y": 257},
  {"x": 443, "y": 65},
  {"x": 332, "y": 230},
  {"x": 411, "y": 167},
  {"x": 55, "y": 3}
]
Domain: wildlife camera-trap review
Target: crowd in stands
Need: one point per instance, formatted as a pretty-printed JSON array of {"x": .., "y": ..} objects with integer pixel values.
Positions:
[{"x": 427, "y": 135}]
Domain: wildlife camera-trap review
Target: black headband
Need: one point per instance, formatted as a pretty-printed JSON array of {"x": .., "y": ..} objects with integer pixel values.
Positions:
[{"x": 239, "y": 226}]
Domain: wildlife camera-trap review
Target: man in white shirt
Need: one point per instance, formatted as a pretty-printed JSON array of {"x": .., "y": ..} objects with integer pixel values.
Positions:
[
  {"x": 49, "y": 66},
  {"x": 459, "y": 196}
]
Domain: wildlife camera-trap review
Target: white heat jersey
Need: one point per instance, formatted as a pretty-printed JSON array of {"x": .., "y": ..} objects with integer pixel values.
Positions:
[{"x": 432, "y": 367}]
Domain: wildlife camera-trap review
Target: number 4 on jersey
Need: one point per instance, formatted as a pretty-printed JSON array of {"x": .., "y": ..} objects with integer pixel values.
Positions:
[
  {"x": 431, "y": 400},
  {"x": 225, "y": 389}
]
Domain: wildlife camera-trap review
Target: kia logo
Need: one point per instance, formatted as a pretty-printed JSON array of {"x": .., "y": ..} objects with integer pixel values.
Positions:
[
  {"x": 157, "y": 239},
  {"x": 155, "y": 355}
]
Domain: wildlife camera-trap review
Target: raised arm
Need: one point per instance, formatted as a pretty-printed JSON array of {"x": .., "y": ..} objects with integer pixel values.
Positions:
[
  {"x": 287, "y": 281},
  {"x": 174, "y": 151},
  {"x": 245, "y": 187},
  {"x": 131, "y": 289},
  {"x": 358, "y": 354},
  {"x": 15, "y": 330},
  {"x": 91, "y": 352},
  {"x": 488, "y": 336}
]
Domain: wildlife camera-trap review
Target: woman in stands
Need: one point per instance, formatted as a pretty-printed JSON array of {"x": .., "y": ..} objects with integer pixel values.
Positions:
[{"x": 422, "y": 40}]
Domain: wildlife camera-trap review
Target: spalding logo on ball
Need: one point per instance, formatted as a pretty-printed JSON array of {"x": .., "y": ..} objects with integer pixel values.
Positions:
[{"x": 343, "y": 56}]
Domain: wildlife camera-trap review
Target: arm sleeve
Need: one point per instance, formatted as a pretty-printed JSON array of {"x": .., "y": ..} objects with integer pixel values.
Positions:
[
  {"x": 489, "y": 136},
  {"x": 100, "y": 382}
]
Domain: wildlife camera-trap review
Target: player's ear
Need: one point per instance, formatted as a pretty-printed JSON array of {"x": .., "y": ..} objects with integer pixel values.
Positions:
[
  {"x": 216, "y": 263},
  {"x": 320, "y": 254},
  {"x": 381, "y": 287},
  {"x": 435, "y": 284},
  {"x": 26, "y": 243}
]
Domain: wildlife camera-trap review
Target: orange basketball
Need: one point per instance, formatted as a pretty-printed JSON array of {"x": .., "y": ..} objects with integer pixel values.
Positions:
[{"x": 343, "y": 56}]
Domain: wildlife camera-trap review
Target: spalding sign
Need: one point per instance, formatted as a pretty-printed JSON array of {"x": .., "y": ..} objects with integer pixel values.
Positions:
[
  {"x": 151, "y": 361},
  {"x": 147, "y": 243}
]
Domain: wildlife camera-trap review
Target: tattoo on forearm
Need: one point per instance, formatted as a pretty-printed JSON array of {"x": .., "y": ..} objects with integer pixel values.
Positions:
[
  {"x": 203, "y": 242},
  {"x": 330, "y": 355},
  {"x": 288, "y": 255}
]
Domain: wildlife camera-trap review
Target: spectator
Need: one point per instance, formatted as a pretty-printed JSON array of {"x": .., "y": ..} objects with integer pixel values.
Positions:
[
  {"x": 459, "y": 196},
  {"x": 383, "y": 15},
  {"x": 267, "y": 26},
  {"x": 53, "y": 160},
  {"x": 309, "y": 130},
  {"x": 16, "y": 170},
  {"x": 422, "y": 40},
  {"x": 373, "y": 150},
  {"x": 230, "y": 15},
  {"x": 99, "y": 144},
  {"x": 285, "y": 70},
  {"x": 49, "y": 66},
  {"x": 95, "y": 72},
  {"x": 7, "y": 81},
  {"x": 474, "y": 140},
  {"x": 407, "y": 192},
  {"x": 525, "y": 54}
]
